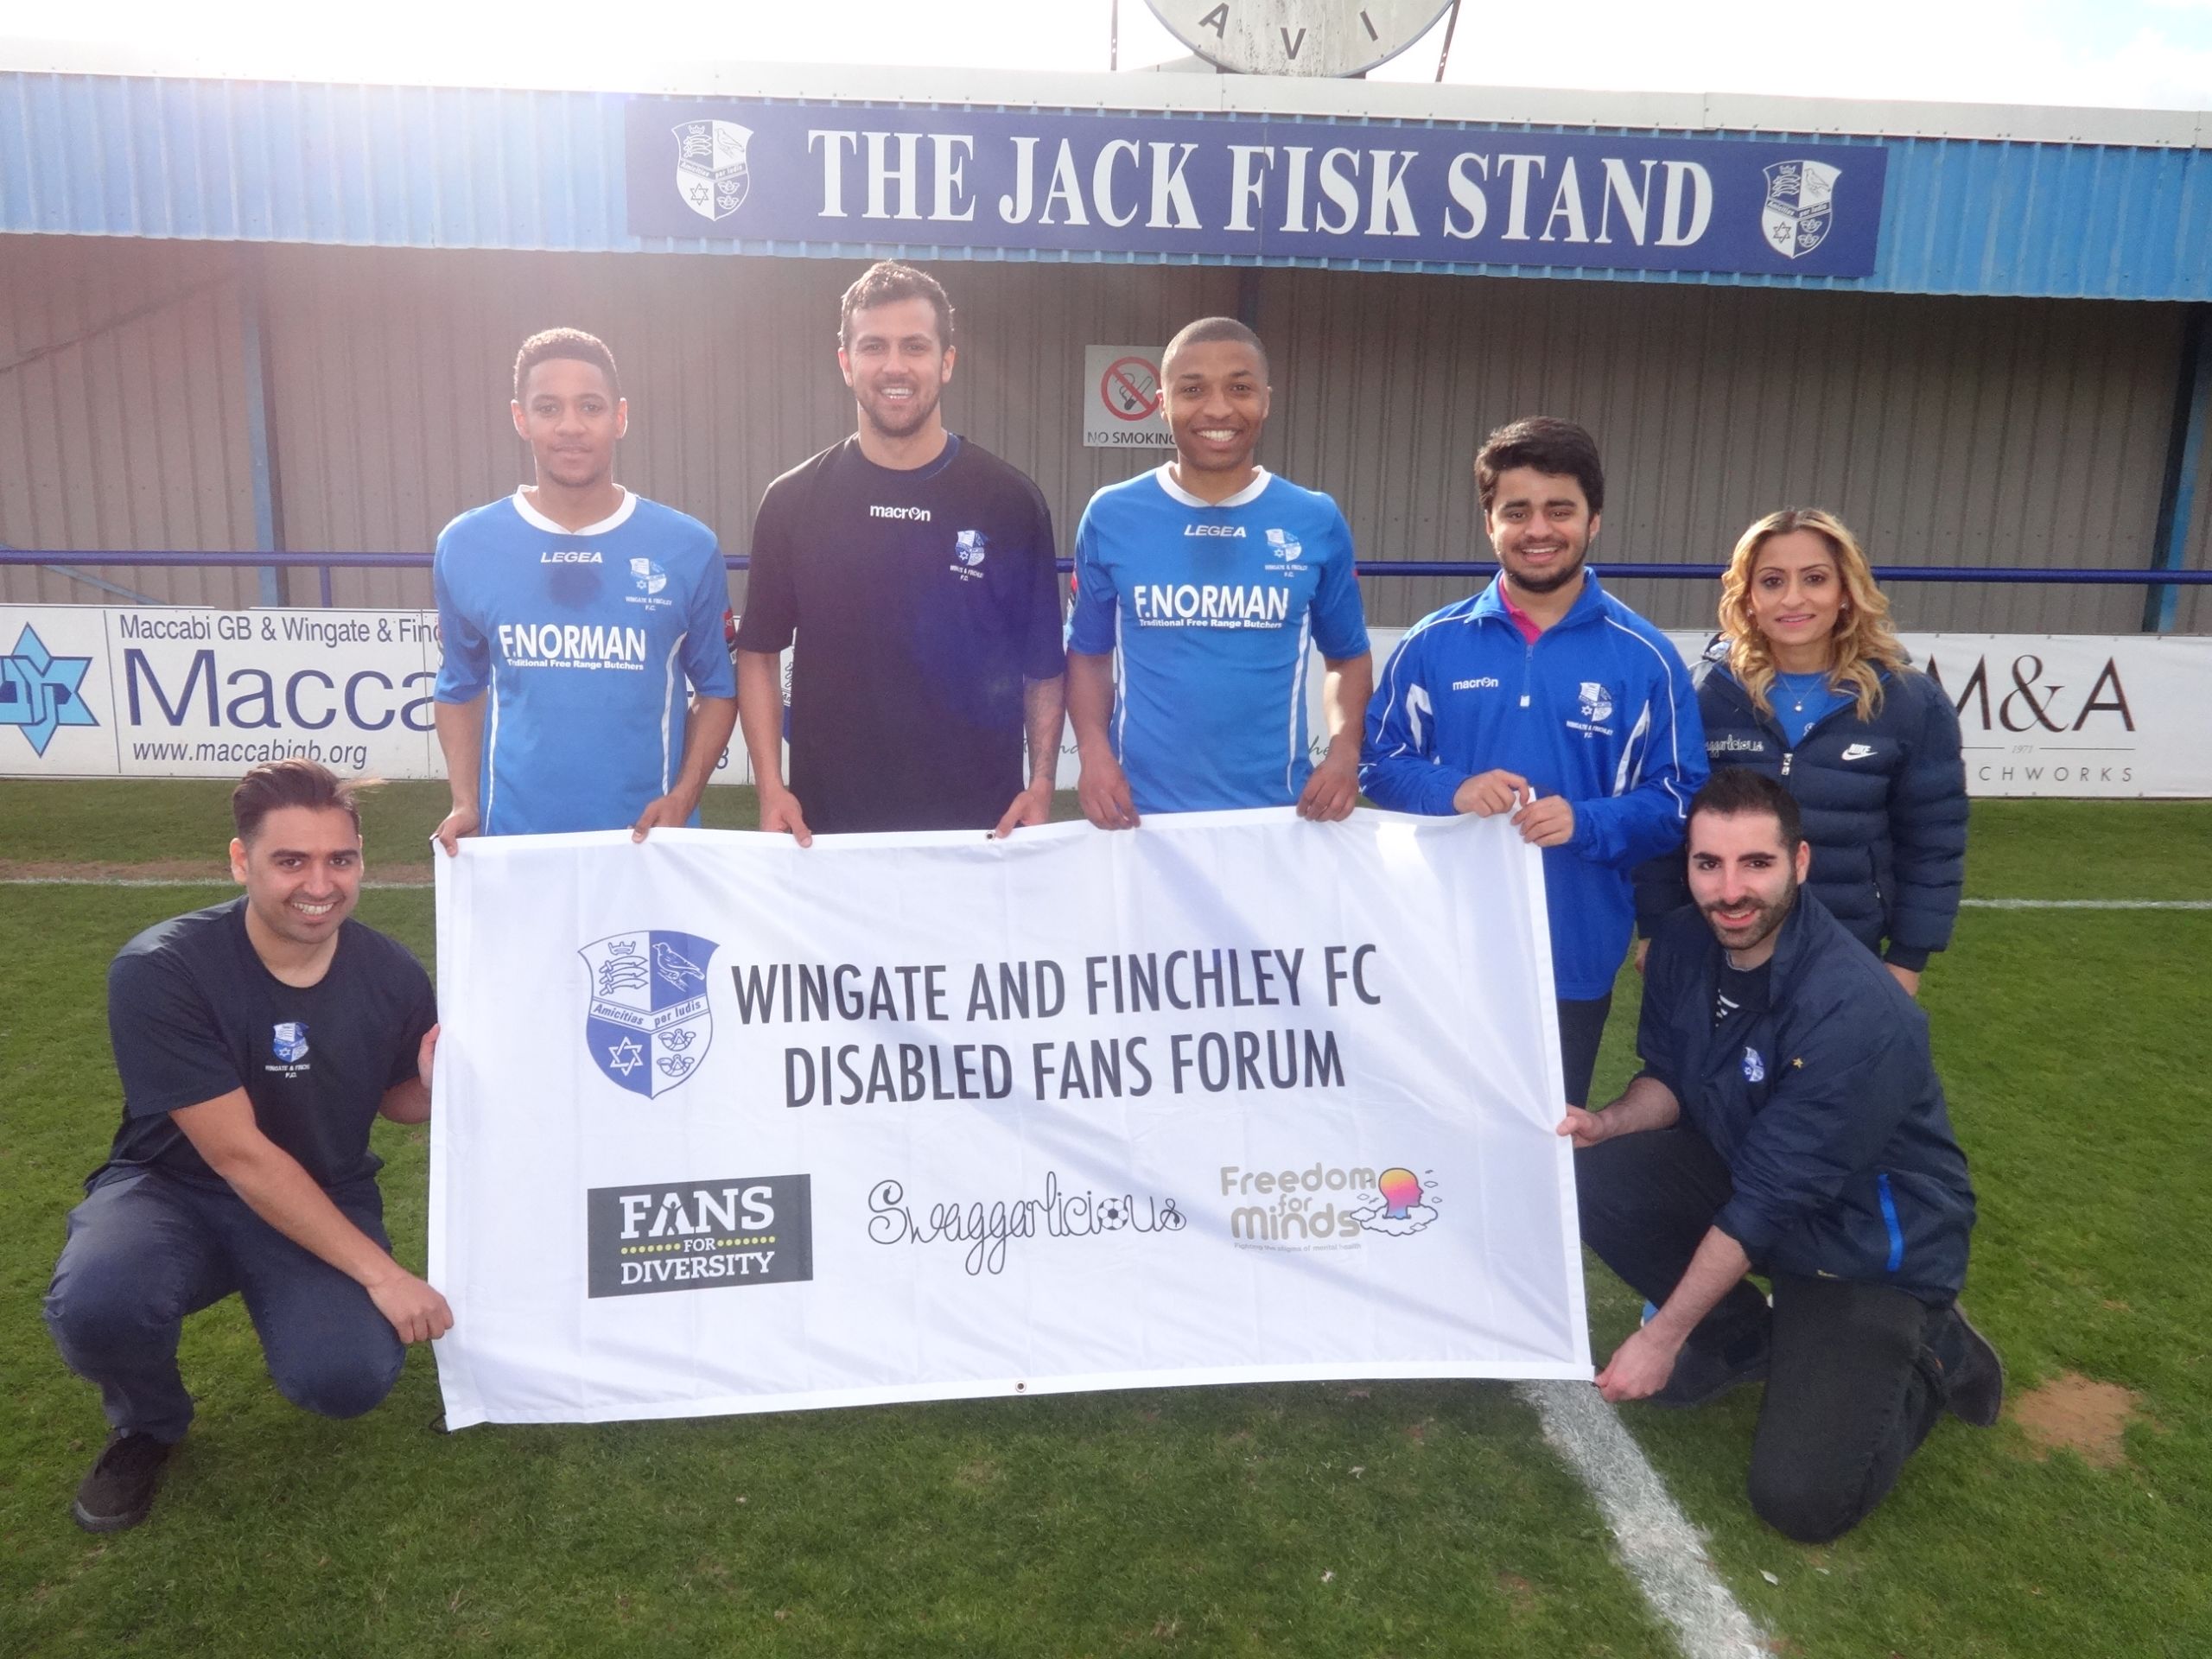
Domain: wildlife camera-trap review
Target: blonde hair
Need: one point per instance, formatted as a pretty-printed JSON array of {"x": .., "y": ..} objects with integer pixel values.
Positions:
[{"x": 1863, "y": 643}]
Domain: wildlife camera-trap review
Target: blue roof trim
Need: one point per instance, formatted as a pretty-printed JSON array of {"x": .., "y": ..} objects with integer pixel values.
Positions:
[{"x": 453, "y": 167}]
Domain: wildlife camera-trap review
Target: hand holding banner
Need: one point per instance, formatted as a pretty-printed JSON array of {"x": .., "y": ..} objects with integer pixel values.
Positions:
[{"x": 1233, "y": 1098}]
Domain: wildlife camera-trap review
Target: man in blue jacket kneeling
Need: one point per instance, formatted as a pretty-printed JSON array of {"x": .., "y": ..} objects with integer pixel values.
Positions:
[{"x": 1789, "y": 1120}]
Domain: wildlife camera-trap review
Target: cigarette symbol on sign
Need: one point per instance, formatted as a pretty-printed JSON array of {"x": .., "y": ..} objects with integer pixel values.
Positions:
[{"x": 1130, "y": 389}]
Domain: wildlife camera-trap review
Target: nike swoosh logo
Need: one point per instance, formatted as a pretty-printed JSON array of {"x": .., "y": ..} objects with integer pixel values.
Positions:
[{"x": 1857, "y": 752}]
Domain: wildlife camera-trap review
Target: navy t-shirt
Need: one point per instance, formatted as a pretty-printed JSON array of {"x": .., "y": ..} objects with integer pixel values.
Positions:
[
  {"x": 921, "y": 600},
  {"x": 194, "y": 1014}
]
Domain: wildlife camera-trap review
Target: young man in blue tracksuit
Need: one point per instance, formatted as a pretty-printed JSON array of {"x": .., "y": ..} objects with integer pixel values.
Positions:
[
  {"x": 1788, "y": 1120},
  {"x": 1545, "y": 697}
]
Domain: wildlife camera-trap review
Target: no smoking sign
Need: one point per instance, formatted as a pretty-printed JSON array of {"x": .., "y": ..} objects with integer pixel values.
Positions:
[{"x": 1121, "y": 399}]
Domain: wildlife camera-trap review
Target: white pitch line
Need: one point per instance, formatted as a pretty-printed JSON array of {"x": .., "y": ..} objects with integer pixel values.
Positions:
[
  {"x": 1661, "y": 1549},
  {"x": 2087, "y": 904}
]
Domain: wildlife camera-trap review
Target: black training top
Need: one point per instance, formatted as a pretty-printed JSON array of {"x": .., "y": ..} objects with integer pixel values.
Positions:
[
  {"x": 921, "y": 600},
  {"x": 194, "y": 1014}
]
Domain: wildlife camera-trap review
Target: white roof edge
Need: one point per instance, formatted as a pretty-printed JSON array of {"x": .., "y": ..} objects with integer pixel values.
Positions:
[{"x": 1169, "y": 90}]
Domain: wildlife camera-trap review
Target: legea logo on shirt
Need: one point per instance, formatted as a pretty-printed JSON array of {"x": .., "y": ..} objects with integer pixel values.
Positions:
[{"x": 570, "y": 555}]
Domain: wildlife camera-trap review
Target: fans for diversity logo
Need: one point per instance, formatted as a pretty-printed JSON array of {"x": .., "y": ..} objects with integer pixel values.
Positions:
[{"x": 747, "y": 1229}]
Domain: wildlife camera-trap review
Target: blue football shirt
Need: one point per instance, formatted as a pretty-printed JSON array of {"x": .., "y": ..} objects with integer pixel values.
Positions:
[
  {"x": 585, "y": 645},
  {"x": 1212, "y": 611}
]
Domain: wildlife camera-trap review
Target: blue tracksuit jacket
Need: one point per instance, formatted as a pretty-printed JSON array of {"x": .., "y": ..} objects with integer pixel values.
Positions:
[
  {"x": 1824, "y": 1105},
  {"x": 1599, "y": 709}
]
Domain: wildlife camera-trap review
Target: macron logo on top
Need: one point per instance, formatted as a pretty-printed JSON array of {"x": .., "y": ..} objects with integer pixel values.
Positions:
[{"x": 918, "y": 515}]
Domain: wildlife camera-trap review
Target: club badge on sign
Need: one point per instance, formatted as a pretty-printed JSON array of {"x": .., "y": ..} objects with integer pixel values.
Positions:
[{"x": 647, "y": 1022}]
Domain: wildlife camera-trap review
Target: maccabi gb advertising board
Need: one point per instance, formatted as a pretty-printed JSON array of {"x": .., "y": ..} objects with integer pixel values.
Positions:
[
  {"x": 1265, "y": 187},
  {"x": 179, "y": 691}
]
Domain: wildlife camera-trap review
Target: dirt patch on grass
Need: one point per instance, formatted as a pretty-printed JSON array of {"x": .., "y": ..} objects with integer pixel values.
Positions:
[
  {"x": 2080, "y": 1415},
  {"x": 212, "y": 870}
]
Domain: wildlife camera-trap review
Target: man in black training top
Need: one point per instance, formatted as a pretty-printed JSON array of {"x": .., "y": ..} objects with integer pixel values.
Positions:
[
  {"x": 916, "y": 569},
  {"x": 256, "y": 1042},
  {"x": 1789, "y": 1121}
]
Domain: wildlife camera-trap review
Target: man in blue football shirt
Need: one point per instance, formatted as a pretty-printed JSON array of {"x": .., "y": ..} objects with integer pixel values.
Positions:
[
  {"x": 574, "y": 614},
  {"x": 1545, "y": 697},
  {"x": 1207, "y": 582}
]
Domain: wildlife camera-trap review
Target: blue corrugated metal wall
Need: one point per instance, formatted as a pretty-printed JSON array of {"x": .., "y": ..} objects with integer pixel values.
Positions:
[{"x": 416, "y": 167}]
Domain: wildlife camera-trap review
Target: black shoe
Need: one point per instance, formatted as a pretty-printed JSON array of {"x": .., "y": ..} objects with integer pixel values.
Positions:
[
  {"x": 1974, "y": 1375},
  {"x": 119, "y": 1489},
  {"x": 1701, "y": 1375}
]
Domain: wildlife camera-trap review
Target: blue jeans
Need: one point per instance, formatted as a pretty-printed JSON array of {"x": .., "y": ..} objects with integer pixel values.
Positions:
[{"x": 144, "y": 1249}]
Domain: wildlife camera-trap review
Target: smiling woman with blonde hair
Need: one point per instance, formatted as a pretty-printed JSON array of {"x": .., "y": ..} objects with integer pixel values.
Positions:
[{"x": 1808, "y": 683}]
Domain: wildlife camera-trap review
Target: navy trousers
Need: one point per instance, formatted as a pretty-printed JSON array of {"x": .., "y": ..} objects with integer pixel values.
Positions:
[
  {"x": 145, "y": 1249},
  {"x": 1851, "y": 1387}
]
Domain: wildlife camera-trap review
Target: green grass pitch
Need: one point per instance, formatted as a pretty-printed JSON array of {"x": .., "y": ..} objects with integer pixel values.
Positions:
[{"x": 1323, "y": 1519}]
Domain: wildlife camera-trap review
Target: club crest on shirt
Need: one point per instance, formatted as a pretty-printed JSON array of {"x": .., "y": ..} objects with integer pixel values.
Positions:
[
  {"x": 1754, "y": 1066},
  {"x": 969, "y": 550},
  {"x": 1597, "y": 701},
  {"x": 648, "y": 585},
  {"x": 647, "y": 1022},
  {"x": 288, "y": 1041}
]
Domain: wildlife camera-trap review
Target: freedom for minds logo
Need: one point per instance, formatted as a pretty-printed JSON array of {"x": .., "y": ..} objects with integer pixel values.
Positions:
[
  {"x": 712, "y": 174},
  {"x": 748, "y": 1230},
  {"x": 39, "y": 693},
  {"x": 1291, "y": 1209},
  {"x": 646, "y": 1021}
]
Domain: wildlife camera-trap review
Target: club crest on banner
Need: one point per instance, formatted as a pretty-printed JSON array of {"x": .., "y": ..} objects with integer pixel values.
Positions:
[
  {"x": 647, "y": 1022},
  {"x": 1800, "y": 206},
  {"x": 712, "y": 174}
]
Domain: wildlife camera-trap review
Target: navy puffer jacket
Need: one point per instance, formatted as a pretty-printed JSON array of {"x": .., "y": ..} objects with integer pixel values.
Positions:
[
  {"x": 1824, "y": 1105},
  {"x": 1885, "y": 804}
]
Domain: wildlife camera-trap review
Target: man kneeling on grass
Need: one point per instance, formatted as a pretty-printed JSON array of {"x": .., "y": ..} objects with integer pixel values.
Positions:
[
  {"x": 256, "y": 1042},
  {"x": 1788, "y": 1119}
]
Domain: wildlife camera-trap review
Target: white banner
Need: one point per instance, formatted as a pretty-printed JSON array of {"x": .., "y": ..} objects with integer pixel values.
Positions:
[
  {"x": 727, "y": 1125},
  {"x": 184, "y": 691}
]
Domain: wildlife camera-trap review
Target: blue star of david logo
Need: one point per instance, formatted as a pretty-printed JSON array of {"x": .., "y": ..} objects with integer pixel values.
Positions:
[
  {"x": 38, "y": 690},
  {"x": 625, "y": 1057}
]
